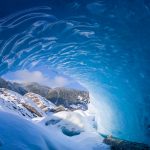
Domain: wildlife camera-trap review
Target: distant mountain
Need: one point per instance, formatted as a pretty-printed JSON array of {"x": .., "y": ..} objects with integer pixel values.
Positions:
[
  {"x": 12, "y": 86},
  {"x": 69, "y": 98},
  {"x": 36, "y": 88}
]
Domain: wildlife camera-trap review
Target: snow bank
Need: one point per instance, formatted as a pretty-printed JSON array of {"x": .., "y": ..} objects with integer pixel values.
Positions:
[
  {"x": 17, "y": 133},
  {"x": 64, "y": 130},
  {"x": 75, "y": 128}
]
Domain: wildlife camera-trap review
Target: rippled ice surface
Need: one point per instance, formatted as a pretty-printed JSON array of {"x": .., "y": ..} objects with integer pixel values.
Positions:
[{"x": 102, "y": 44}]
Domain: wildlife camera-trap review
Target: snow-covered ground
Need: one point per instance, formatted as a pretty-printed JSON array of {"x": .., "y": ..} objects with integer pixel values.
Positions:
[
  {"x": 75, "y": 128},
  {"x": 64, "y": 130}
]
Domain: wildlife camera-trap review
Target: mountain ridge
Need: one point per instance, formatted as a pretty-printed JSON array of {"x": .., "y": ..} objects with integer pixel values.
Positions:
[{"x": 69, "y": 98}]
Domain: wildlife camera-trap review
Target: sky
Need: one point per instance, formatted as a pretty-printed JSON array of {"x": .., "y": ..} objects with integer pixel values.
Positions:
[{"x": 44, "y": 76}]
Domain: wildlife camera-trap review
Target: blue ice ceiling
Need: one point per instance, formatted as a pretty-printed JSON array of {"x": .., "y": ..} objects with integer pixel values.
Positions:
[{"x": 105, "y": 45}]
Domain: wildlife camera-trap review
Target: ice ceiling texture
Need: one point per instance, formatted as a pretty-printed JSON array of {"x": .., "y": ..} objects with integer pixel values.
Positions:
[{"x": 102, "y": 44}]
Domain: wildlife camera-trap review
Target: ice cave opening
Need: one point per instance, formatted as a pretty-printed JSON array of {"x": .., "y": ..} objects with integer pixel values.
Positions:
[
  {"x": 104, "y": 45},
  {"x": 116, "y": 117}
]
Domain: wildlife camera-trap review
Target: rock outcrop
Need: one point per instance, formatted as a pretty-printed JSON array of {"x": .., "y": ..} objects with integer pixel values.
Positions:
[
  {"x": 30, "y": 105},
  {"x": 118, "y": 144},
  {"x": 41, "y": 102},
  {"x": 21, "y": 105}
]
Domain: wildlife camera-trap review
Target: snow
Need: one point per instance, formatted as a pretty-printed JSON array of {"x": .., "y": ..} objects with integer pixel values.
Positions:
[
  {"x": 75, "y": 128},
  {"x": 17, "y": 133},
  {"x": 64, "y": 130},
  {"x": 23, "y": 134}
]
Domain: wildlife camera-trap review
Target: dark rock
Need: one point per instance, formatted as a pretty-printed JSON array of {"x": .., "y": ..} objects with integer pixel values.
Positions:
[{"x": 118, "y": 144}]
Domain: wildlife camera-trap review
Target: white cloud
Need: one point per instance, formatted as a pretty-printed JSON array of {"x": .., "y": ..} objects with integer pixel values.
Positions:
[
  {"x": 60, "y": 81},
  {"x": 39, "y": 77}
]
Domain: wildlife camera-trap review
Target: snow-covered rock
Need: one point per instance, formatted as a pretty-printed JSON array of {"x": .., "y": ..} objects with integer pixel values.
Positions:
[
  {"x": 16, "y": 103},
  {"x": 41, "y": 102}
]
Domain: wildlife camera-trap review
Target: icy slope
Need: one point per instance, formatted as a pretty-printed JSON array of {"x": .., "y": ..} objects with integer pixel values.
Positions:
[
  {"x": 21, "y": 128},
  {"x": 20, "y": 134}
]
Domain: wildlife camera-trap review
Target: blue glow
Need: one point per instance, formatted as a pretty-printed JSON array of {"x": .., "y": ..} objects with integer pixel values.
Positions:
[{"x": 104, "y": 45}]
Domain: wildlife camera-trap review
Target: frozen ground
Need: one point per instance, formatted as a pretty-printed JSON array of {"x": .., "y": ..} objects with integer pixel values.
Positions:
[{"x": 64, "y": 130}]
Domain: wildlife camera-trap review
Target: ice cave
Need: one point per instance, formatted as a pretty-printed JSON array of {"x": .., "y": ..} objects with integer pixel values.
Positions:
[{"x": 102, "y": 44}]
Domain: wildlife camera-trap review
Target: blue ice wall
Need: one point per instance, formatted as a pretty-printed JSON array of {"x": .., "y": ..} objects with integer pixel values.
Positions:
[{"x": 103, "y": 44}]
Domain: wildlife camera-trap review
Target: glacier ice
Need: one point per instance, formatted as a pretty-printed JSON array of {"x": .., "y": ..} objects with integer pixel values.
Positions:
[{"x": 104, "y": 45}]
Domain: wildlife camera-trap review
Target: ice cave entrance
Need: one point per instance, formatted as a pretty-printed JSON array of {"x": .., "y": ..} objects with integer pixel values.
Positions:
[
  {"x": 109, "y": 120},
  {"x": 103, "y": 45}
]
